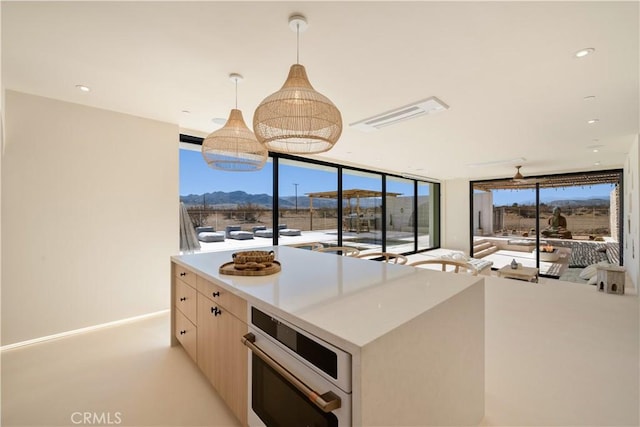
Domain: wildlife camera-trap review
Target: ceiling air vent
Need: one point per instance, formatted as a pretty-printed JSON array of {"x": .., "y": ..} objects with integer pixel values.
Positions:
[{"x": 426, "y": 106}]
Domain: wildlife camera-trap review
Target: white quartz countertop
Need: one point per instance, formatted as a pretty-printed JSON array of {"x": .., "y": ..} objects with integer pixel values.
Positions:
[{"x": 347, "y": 301}]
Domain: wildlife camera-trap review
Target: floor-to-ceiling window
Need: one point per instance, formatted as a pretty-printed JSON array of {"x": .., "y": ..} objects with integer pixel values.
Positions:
[
  {"x": 555, "y": 223},
  {"x": 217, "y": 204},
  {"x": 362, "y": 210},
  {"x": 400, "y": 215},
  {"x": 428, "y": 221},
  {"x": 587, "y": 211},
  {"x": 293, "y": 200},
  {"x": 308, "y": 202}
]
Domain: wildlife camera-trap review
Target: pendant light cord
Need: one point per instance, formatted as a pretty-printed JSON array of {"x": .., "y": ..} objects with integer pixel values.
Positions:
[
  {"x": 236, "y": 79},
  {"x": 298, "y": 43}
]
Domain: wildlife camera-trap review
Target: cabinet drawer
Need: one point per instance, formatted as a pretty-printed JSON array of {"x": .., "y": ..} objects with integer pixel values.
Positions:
[
  {"x": 187, "y": 276},
  {"x": 186, "y": 333},
  {"x": 186, "y": 300},
  {"x": 236, "y": 305}
]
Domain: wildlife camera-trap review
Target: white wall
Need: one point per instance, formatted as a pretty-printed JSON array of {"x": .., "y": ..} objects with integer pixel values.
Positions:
[
  {"x": 89, "y": 216},
  {"x": 631, "y": 213},
  {"x": 455, "y": 214},
  {"x": 483, "y": 207},
  {"x": 1, "y": 157}
]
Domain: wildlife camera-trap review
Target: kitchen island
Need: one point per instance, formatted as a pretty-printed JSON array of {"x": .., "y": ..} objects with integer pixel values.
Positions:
[{"x": 415, "y": 336}]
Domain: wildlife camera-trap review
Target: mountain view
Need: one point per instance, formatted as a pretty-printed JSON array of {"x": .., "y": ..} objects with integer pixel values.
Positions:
[
  {"x": 578, "y": 202},
  {"x": 231, "y": 200},
  {"x": 594, "y": 201}
]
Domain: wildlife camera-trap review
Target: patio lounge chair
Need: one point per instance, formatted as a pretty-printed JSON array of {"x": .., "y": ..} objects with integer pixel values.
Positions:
[
  {"x": 290, "y": 232},
  {"x": 266, "y": 232},
  {"x": 235, "y": 232},
  {"x": 209, "y": 234}
]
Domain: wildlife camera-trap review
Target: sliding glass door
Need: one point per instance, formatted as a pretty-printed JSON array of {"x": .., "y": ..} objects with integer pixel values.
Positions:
[
  {"x": 307, "y": 203},
  {"x": 554, "y": 223},
  {"x": 362, "y": 210},
  {"x": 293, "y": 201}
]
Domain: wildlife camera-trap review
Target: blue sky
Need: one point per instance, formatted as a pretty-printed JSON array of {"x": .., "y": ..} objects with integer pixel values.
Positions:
[{"x": 198, "y": 178}]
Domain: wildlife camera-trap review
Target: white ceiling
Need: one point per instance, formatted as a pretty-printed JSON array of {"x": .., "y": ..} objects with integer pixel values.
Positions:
[{"x": 506, "y": 69}]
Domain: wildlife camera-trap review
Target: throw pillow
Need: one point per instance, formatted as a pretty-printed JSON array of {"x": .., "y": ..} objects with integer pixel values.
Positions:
[
  {"x": 592, "y": 280},
  {"x": 588, "y": 272},
  {"x": 459, "y": 256},
  {"x": 591, "y": 270}
]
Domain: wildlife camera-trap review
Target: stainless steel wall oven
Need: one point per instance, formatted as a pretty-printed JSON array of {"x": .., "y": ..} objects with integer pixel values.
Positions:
[{"x": 295, "y": 378}]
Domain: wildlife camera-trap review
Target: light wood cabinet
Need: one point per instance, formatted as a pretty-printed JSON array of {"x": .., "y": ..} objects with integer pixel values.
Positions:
[
  {"x": 185, "y": 300},
  {"x": 185, "y": 332},
  {"x": 208, "y": 339},
  {"x": 237, "y": 306},
  {"x": 212, "y": 336},
  {"x": 221, "y": 355},
  {"x": 232, "y": 355},
  {"x": 186, "y": 275}
]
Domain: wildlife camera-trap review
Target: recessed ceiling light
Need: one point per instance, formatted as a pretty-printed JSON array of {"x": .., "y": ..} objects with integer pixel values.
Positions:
[
  {"x": 584, "y": 52},
  {"x": 589, "y": 98},
  {"x": 595, "y": 150},
  {"x": 596, "y": 164},
  {"x": 219, "y": 120},
  {"x": 592, "y": 121},
  {"x": 83, "y": 88}
]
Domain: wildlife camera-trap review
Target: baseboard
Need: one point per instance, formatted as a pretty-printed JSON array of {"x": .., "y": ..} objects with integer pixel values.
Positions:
[{"x": 81, "y": 330}]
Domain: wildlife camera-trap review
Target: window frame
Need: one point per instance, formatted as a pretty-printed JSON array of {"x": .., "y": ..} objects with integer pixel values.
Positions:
[
  {"x": 620, "y": 183},
  {"x": 186, "y": 139}
]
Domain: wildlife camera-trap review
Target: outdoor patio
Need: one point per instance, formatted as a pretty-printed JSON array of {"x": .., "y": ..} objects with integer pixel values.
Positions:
[
  {"x": 572, "y": 254},
  {"x": 366, "y": 241}
]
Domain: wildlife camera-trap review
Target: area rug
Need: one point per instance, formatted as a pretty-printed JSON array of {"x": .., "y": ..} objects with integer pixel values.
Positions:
[{"x": 584, "y": 254}]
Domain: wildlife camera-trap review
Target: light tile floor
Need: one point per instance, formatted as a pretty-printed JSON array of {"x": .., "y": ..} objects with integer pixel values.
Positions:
[
  {"x": 127, "y": 373},
  {"x": 557, "y": 353}
]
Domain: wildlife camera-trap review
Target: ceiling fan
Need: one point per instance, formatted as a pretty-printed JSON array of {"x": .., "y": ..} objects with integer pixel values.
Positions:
[{"x": 518, "y": 177}]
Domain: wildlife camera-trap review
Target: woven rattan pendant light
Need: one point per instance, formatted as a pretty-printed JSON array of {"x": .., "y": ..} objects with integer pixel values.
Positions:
[
  {"x": 234, "y": 147},
  {"x": 297, "y": 119}
]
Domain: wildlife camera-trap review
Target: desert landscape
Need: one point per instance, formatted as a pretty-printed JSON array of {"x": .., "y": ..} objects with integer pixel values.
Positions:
[
  {"x": 582, "y": 221},
  {"x": 249, "y": 217}
]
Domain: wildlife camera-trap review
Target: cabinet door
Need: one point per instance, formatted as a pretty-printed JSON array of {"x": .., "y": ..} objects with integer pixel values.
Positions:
[
  {"x": 233, "y": 356},
  {"x": 221, "y": 355},
  {"x": 208, "y": 339}
]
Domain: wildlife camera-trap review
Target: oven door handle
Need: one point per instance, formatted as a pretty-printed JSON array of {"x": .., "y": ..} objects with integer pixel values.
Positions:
[{"x": 327, "y": 402}]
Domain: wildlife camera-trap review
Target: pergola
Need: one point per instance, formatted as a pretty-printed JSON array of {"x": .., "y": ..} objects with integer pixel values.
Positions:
[
  {"x": 554, "y": 181},
  {"x": 348, "y": 195}
]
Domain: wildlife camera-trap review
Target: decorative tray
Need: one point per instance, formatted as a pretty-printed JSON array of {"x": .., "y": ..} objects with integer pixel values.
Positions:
[{"x": 249, "y": 270}]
